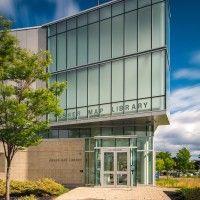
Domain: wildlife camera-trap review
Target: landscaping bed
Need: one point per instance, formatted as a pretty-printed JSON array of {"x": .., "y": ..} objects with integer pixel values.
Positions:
[
  {"x": 44, "y": 189},
  {"x": 187, "y": 188}
]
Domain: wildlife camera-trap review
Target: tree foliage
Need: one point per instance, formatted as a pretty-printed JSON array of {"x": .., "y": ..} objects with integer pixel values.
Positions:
[
  {"x": 168, "y": 162},
  {"x": 23, "y": 106},
  {"x": 160, "y": 165},
  {"x": 183, "y": 162}
]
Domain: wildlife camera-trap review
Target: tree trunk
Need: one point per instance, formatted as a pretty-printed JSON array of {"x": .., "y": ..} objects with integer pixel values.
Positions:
[{"x": 8, "y": 180}]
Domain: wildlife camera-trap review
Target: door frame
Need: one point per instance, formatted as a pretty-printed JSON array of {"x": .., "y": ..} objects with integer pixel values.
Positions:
[{"x": 115, "y": 150}]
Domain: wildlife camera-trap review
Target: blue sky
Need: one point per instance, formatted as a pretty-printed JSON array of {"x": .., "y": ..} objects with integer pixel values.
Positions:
[{"x": 185, "y": 60}]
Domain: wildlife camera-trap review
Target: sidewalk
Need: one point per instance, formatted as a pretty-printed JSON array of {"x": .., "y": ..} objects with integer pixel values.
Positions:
[{"x": 98, "y": 193}]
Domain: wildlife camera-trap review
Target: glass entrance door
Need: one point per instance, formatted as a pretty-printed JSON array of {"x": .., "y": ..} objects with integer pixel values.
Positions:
[
  {"x": 115, "y": 167},
  {"x": 122, "y": 168}
]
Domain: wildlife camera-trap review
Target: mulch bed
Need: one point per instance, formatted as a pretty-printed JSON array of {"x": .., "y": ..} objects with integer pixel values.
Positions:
[{"x": 174, "y": 195}]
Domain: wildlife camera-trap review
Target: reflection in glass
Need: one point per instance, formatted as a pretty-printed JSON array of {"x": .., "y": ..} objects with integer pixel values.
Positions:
[
  {"x": 158, "y": 103},
  {"x": 89, "y": 168},
  {"x": 105, "y": 109},
  {"x": 106, "y": 131},
  {"x": 62, "y": 78},
  {"x": 82, "y": 20},
  {"x": 133, "y": 142},
  {"x": 122, "y": 161},
  {"x": 93, "y": 42},
  {"x": 144, "y": 29},
  {"x": 105, "y": 83},
  {"x": 93, "y": 16},
  {"x": 71, "y": 23},
  {"x": 93, "y": 86},
  {"x": 71, "y": 89},
  {"x": 61, "y": 51},
  {"x": 140, "y": 167},
  {"x": 144, "y": 104},
  {"x": 122, "y": 142},
  {"x": 117, "y": 82},
  {"x": 61, "y": 27},
  {"x": 158, "y": 73},
  {"x": 121, "y": 179},
  {"x": 105, "y": 39},
  {"x": 81, "y": 113},
  {"x": 158, "y": 25},
  {"x": 71, "y": 48},
  {"x": 108, "y": 179},
  {"x": 117, "y": 108},
  {"x": 105, "y": 12},
  {"x": 73, "y": 133},
  {"x": 71, "y": 114},
  {"x": 82, "y": 87},
  {"x": 117, "y": 36},
  {"x": 144, "y": 76},
  {"x": 52, "y": 30},
  {"x": 108, "y": 143},
  {"x": 117, "y": 8},
  {"x": 130, "y": 5},
  {"x": 130, "y": 80},
  {"x": 52, "y": 49},
  {"x": 82, "y": 45},
  {"x": 108, "y": 161},
  {"x": 130, "y": 32},
  {"x": 129, "y": 131},
  {"x": 141, "y": 141},
  {"x": 142, "y": 3}
]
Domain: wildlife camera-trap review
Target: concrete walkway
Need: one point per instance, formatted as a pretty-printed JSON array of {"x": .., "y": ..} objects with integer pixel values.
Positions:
[{"x": 98, "y": 193}]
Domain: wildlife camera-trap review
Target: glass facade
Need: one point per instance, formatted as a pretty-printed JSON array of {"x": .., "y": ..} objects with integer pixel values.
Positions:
[
  {"x": 137, "y": 139},
  {"x": 128, "y": 85},
  {"x": 113, "y": 59}
]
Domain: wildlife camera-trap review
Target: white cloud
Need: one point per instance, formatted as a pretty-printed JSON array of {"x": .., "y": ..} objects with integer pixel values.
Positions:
[
  {"x": 7, "y": 7},
  {"x": 184, "y": 128},
  {"x": 195, "y": 59},
  {"x": 66, "y": 8},
  {"x": 62, "y": 8},
  {"x": 190, "y": 74},
  {"x": 185, "y": 99}
]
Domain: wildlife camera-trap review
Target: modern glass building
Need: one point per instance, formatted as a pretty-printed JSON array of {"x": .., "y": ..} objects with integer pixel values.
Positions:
[{"x": 115, "y": 60}]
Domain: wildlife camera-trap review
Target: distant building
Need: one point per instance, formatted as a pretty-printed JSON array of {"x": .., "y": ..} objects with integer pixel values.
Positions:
[{"x": 115, "y": 60}]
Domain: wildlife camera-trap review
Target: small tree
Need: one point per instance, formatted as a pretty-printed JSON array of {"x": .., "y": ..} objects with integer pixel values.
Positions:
[
  {"x": 167, "y": 160},
  {"x": 169, "y": 164},
  {"x": 160, "y": 165},
  {"x": 22, "y": 107},
  {"x": 183, "y": 163}
]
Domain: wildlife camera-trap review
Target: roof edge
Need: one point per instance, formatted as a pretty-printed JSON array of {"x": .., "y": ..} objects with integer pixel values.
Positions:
[{"x": 26, "y": 28}]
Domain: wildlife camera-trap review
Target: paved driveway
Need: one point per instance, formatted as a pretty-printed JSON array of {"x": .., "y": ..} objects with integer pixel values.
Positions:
[{"x": 98, "y": 193}]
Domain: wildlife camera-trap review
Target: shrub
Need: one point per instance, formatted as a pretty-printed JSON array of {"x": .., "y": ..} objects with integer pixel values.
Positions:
[
  {"x": 44, "y": 187},
  {"x": 50, "y": 187},
  {"x": 20, "y": 188},
  {"x": 190, "y": 193},
  {"x": 2, "y": 188}
]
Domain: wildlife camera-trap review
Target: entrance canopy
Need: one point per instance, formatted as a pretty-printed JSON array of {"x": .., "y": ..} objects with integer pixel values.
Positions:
[{"x": 154, "y": 119}]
